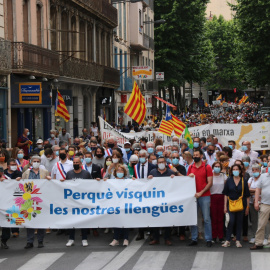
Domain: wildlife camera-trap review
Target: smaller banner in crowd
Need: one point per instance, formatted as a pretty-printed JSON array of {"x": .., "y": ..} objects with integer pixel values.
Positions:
[
  {"x": 126, "y": 203},
  {"x": 257, "y": 133}
]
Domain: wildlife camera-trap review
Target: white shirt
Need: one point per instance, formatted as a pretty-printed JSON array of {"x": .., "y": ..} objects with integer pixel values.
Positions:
[
  {"x": 145, "y": 170},
  {"x": 88, "y": 168},
  {"x": 49, "y": 164},
  {"x": 252, "y": 155},
  {"x": 210, "y": 159},
  {"x": 68, "y": 166},
  {"x": 253, "y": 185},
  {"x": 218, "y": 184},
  {"x": 236, "y": 154},
  {"x": 231, "y": 162}
]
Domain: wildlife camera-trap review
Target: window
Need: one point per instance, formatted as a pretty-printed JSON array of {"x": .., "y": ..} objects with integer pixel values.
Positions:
[
  {"x": 120, "y": 20},
  {"x": 25, "y": 21},
  {"x": 89, "y": 42},
  {"x": 115, "y": 58},
  {"x": 140, "y": 20},
  {"x": 82, "y": 40},
  {"x": 64, "y": 33},
  {"x": 73, "y": 35},
  {"x": 143, "y": 60},
  {"x": 39, "y": 25},
  {"x": 53, "y": 20},
  {"x": 10, "y": 20}
]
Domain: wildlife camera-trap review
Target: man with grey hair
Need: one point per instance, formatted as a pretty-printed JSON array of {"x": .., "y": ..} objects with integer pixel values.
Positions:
[
  {"x": 53, "y": 140},
  {"x": 159, "y": 150},
  {"x": 184, "y": 147},
  {"x": 112, "y": 143},
  {"x": 150, "y": 147},
  {"x": 35, "y": 173},
  {"x": 175, "y": 140},
  {"x": 246, "y": 148}
]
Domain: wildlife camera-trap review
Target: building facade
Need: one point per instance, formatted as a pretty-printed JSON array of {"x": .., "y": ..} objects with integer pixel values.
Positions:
[
  {"x": 133, "y": 46},
  {"x": 64, "y": 45}
]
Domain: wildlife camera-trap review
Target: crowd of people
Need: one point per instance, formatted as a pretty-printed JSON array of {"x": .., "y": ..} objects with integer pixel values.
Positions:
[{"x": 231, "y": 185}]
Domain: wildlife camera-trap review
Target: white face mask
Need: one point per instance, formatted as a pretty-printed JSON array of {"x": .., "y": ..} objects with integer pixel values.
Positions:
[
  {"x": 52, "y": 135},
  {"x": 49, "y": 158},
  {"x": 154, "y": 162},
  {"x": 13, "y": 168},
  {"x": 115, "y": 160},
  {"x": 39, "y": 146},
  {"x": 161, "y": 166},
  {"x": 36, "y": 165},
  {"x": 66, "y": 147}
]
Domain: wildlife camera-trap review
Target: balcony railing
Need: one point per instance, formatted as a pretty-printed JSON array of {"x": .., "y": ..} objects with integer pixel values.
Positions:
[
  {"x": 80, "y": 69},
  {"x": 101, "y": 8},
  {"x": 28, "y": 58},
  {"x": 5, "y": 56}
]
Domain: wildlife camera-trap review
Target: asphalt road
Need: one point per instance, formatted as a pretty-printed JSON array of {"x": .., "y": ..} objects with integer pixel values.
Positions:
[{"x": 137, "y": 256}]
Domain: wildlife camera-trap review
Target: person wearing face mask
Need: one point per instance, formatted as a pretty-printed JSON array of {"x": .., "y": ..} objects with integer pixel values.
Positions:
[
  {"x": 50, "y": 159},
  {"x": 121, "y": 174},
  {"x": 217, "y": 202},
  {"x": 235, "y": 188},
  {"x": 150, "y": 148},
  {"x": 12, "y": 170},
  {"x": 71, "y": 152},
  {"x": 236, "y": 154},
  {"x": 23, "y": 142},
  {"x": 152, "y": 159},
  {"x": 3, "y": 162},
  {"x": 64, "y": 136},
  {"x": 111, "y": 144},
  {"x": 93, "y": 169},
  {"x": 21, "y": 162},
  {"x": 184, "y": 147},
  {"x": 85, "y": 135},
  {"x": 107, "y": 163},
  {"x": 177, "y": 168},
  {"x": 133, "y": 161},
  {"x": 127, "y": 147},
  {"x": 246, "y": 160},
  {"x": 228, "y": 152},
  {"x": 252, "y": 184},
  {"x": 53, "y": 140},
  {"x": 246, "y": 151},
  {"x": 99, "y": 157},
  {"x": 39, "y": 146},
  {"x": 203, "y": 144},
  {"x": 188, "y": 160},
  {"x": 175, "y": 141},
  {"x": 210, "y": 154},
  {"x": 196, "y": 143},
  {"x": 35, "y": 173},
  {"x": 264, "y": 163},
  {"x": 161, "y": 171},
  {"x": 143, "y": 142},
  {"x": 116, "y": 159},
  {"x": 159, "y": 150},
  {"x": 204, "y": 179},
  {"x": 61, "y": 168},
  {"x": 77, "y": 173}
]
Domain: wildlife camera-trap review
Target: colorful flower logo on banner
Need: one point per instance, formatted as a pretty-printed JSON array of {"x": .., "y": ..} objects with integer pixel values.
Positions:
[{"x": 26, "y": 204}]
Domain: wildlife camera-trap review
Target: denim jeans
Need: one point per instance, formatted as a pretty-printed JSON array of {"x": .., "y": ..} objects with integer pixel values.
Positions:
[
  {"x": 31, "y": 235},
  {"x": 235, "y": 218},
  {"x": 72, "y": 234},
  {"x": 124, "y": 232},
  {"x": 204, "y": 204}
]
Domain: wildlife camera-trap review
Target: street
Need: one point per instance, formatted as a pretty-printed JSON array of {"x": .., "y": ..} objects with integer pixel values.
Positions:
[{"x": 137, "y": 256}]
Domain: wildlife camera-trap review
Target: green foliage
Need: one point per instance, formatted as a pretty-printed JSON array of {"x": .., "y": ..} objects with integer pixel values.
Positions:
[
  {"x": 253, "y": 19},
  {"x": 181, "y": 48}
]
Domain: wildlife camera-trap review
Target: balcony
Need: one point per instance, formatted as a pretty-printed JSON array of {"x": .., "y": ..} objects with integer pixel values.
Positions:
[
  {"x": 5, "y": 59},
  {"x": 102, "y": 9},
  {"x": 32, "y": 59},
  {"x": 76, "y": 68},
  {"x": 152, "y": 44},
  {"x": 146, "y": 41}
]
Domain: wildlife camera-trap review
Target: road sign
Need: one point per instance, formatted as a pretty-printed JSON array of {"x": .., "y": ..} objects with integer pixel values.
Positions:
[{"x": 160, "y": 76}]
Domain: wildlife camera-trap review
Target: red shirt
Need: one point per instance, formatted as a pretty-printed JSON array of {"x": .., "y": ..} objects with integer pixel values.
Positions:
[{"x": 201, "y": 175}]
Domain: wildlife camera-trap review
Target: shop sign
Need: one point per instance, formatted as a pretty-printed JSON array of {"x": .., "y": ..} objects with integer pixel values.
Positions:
[
  {"x": 159, "y": 76},
  {"x": 142, "y": 73},
  {"x": 30, "y": 93}
]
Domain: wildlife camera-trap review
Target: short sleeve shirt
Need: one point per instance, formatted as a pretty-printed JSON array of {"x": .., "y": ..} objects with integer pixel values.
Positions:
[
  {"x": 156, "y": 173},
  {"x": 71, "y": 175},
  {"x": 201, "y": 175},
  {"x": 264, "y": 185}
]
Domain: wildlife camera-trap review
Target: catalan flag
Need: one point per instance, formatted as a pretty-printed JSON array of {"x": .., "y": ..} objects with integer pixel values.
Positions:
[
  {"x": 219, "y": 97},
  {"x": 135, "y": 107},
  {"x": 206, "y": 104},
  {"x": 166, "y": 128},
  {"x": 245, "y": 97},
  {"x": 60, "y": 107},
  {"x": 179, "y": 126}
]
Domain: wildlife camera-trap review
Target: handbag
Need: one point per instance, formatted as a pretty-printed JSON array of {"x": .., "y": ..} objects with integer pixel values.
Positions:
[{"x": 237, "y": 205}]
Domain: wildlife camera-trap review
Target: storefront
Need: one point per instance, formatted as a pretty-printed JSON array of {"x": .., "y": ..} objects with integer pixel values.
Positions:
[{"x": 30, "y": 107}]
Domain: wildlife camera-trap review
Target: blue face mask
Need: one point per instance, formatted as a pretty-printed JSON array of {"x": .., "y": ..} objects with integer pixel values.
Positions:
[
  {"x": 127, "y": 149},
  {"x": 256, "y": 174},
  {"x": 160, "y": 153},
  {"x": 174, "y": 152},
  {"x": 168, "y": 160},
  {"x": 88, "y": 160},
  {"x": 236, "y": 173},
  {"x": 216, "y": 169},
  {"x": 175, "y": 161},
  {"x": 196, "y": 144},
  {"x": 231, "y": 146},
  {"x": 150, "y": 150},
  {"x": 20, "y": 156},
  {"x": 265, "y": 164},
  {"x": 246, "y": 164},
  {"x": 88, "y": 149},
  {"x": 244, "y": 148},
  {"x": 81, "y": 160},
  {"x": 120, "y": 175},
  {"x": 142, "y": 160},
  {"x": 57, "y": 153},
  {"x": 208, "y": 143}
]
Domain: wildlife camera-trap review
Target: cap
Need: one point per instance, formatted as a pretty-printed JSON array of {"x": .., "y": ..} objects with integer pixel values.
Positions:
[
  {"x": 1, "y": 169},
  {"x": 39, "y": 141},
  {"x": 127, "y": 143}
]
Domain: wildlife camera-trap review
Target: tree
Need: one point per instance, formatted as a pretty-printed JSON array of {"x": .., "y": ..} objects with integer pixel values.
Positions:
[
  {"x": 229, "y": 70},
  {"x": 254, "y": 30},
  {"x": 181, "y": 50}
]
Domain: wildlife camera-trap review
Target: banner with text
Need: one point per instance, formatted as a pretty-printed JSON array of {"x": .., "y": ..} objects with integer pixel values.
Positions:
[
  {"x": 92, "y": 204},
  {"x": 257, "y": 133}
]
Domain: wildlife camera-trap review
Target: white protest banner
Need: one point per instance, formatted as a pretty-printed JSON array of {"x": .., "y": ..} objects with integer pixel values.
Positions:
[
  {"x": 257, "y": 133},
  {"x": 127, "y": 203}
]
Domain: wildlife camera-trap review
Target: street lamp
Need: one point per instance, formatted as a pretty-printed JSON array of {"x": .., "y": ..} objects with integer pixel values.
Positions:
[{"x": 155, "y": 22}]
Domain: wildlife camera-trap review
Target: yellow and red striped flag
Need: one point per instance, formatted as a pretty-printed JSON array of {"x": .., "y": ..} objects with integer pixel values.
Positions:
[
  {"x": 166, "y": 127},
  {"x": 135, "y": 107},
  {"x": 60, "y": 107},
  {"x": 219, "y": 97},
  {"x": 179, "y": 126}
]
